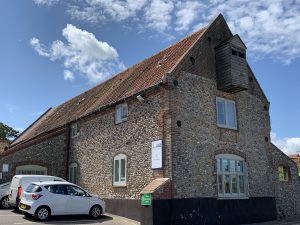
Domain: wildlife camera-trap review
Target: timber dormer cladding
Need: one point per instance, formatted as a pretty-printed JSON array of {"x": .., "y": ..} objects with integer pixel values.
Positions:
[{"x": 231, "y": 65}]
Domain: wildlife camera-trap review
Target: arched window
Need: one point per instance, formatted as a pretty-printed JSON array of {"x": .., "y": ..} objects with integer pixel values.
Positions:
[
  {"x": 232, "y": 176},
  {"x": 73, "y": 173},
  {"x": 119, "y": 176},
  {"x": 31, "y": 169}
]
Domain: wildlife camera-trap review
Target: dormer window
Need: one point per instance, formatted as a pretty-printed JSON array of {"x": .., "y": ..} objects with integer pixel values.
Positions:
[
  {"x": 75, "y": 129},
  {"x": 121, "y": 113},
  {"x": 237, "y": 53}
]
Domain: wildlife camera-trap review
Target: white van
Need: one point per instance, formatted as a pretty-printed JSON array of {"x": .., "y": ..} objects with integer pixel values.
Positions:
[{"x": 19, "y": 184}]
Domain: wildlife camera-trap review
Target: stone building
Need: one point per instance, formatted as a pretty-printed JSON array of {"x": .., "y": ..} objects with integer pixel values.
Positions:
[
  {"x": 182, "y": 137},
  {"x": 296, "y": 159}
]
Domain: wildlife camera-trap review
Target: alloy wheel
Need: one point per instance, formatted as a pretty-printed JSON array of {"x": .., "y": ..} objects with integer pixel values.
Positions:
[
  {"x": 96, "y": 212},
  {"x": 5, "y": 203},
  {"x": 43, "y": 213}
]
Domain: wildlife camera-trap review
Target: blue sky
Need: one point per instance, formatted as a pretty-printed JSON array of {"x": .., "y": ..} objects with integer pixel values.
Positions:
[{"x": 53, "y": 50}]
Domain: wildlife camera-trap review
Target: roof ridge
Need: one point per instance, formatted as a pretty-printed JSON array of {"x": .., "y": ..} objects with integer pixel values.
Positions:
[
  {"x": 139, "y": 77},
  {"x": 134, "y": 65}
]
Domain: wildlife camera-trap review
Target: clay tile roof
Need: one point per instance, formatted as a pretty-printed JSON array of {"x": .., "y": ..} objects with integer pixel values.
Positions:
[
  {"x": 133, "y": 80},
  {"x": 294, "y": 156}
]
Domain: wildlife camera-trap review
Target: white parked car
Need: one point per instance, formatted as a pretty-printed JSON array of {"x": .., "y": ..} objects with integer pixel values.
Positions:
[
  {"x": 4, "y": 192},
  {"x": 19, "y": 183},
  {"x": 44, "y": 199}
]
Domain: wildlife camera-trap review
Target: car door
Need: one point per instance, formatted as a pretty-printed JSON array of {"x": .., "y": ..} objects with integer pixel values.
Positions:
[
  {"x": 57, "y": 199},
  {"x": 78, "y": 202}
]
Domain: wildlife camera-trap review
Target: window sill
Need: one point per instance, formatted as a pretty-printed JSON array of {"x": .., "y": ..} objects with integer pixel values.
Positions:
[
  {"x": 121, "y": 121},
  {"x": 232, "y": 198},
  {"x": 120, "y": 186},
  {"x": 228, "y": 128}
]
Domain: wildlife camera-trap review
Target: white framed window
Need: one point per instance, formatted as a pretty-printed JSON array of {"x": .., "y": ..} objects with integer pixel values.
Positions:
[
  {"x": 231, "y": 176},
  {"x": 119, "y": 177},
  {"x": 73, "y": 173},
  {"x": 75, "y": 129},
  {"x": 226, "y": 113},
  {"x": 121, "y": 113}
]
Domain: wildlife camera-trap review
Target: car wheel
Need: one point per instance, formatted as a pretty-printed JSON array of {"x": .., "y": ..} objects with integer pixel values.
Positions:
[
  {"x": 5, "y": 203},
  {"x": 96, "y": 211},
  {"x": 42, "y": 213}
]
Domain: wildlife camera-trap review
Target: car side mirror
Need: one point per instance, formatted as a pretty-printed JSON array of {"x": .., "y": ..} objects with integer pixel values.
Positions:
[{"x": 87, "y": 195}]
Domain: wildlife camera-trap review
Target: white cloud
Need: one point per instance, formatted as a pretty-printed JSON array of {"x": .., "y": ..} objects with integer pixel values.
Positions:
[
  {"x": 101, "y": 10},
  {"x": 158, "y": 14},
  {"x": 82, "y": 54},
  {"x": 68, "y": 75},
  {"x": 45, "y": 2},
  {"x": 270, "y": 28},
  {"x": 186, "y": 14},
  {"x": 289, "y": 145}
]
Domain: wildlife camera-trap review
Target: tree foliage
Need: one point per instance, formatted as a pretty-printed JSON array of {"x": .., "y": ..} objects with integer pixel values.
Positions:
[{"x": 7, "y": 133}]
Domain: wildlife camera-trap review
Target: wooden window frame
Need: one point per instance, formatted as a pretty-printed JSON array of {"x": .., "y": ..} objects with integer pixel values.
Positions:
[
  {"x": 72, "y": 178},
  {"x": 226, "y": 125},
  {"x": 119, "y": 183},
  {"x": 75, "y": 129},
  {"x": 236, "y": 173},
  {"x": 120, "y": 109}
]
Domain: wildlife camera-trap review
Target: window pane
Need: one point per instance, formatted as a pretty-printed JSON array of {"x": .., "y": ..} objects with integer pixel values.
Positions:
[
  {"x": 122, "y": 169},
  {"x": 220, "y": 180},
  {"x": 75, "y": 175},
  {"x": 221, "y": 112},
  {"x": 231, "y": 114},
  {"x": 227, "y": 184},
  {"x": 283, "y": 173},
  {"x": 242, "y": 184},
  {"x": 117, "y": 171},
  {"x": 240, "y": 166},
  {"x": 219, "y": 165},
  {"x": 232, "y": 165},
  {"x": 71, "y": 174},
  {"x": 75, "y": 191},
  {"x": 124, "y": 111},
  {"x": 233, "y": 184},
  {"x": 118, "y": 113},
  {"x": 225, "y": 165}
]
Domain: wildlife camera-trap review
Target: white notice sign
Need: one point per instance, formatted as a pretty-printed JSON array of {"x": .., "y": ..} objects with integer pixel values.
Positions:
[
  {"x": 5, "y": 168},
  {"x": 156, "y": 154}
]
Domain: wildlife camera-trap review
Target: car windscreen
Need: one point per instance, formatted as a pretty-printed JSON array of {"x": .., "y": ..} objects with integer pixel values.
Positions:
[{"x": 32, "y": 188}]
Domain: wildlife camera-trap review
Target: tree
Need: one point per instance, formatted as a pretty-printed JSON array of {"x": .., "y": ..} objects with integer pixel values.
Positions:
[{"x": 7, "y": 133}]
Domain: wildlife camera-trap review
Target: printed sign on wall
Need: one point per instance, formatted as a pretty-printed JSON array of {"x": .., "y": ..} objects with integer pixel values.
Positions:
[{"x": 156, "y": 154}]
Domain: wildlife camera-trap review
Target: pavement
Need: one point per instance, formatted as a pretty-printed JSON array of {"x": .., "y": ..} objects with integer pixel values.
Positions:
[
  {"x": 10, "y": 217},
  {"x": 283, "y": 222}
]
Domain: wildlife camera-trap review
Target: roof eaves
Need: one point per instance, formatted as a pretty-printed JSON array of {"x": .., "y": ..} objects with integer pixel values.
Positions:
[{"x": 34, "y": 122}]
